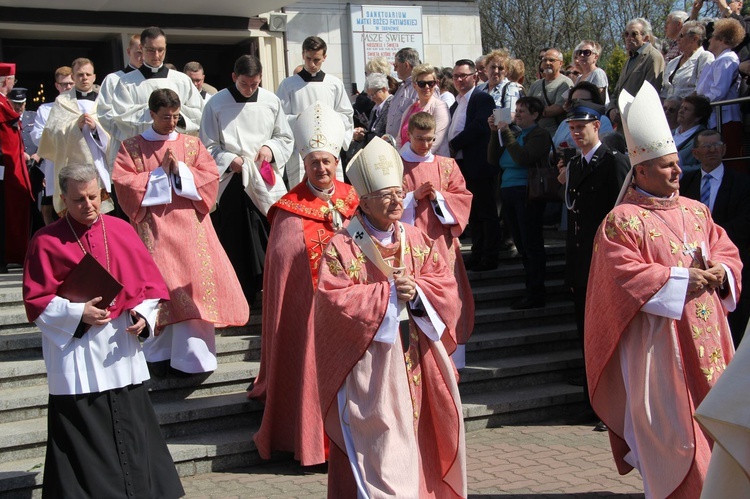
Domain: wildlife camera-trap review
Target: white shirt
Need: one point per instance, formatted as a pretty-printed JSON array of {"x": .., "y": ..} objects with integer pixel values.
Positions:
[
  {"x": 717, "y": 175},
  {"x": 719, "y": 82},
  {"x": 458, "y": 120}
]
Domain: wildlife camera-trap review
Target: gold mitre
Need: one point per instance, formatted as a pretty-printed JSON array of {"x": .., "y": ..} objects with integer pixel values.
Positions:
[
  {"x": 377, "y": 166},
  {"x": 647, "y": 132},
  {"x": 319, "y": 128}
]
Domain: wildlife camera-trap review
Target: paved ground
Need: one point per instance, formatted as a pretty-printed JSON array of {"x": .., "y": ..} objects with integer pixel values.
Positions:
[{"x": 515, "y": 462}]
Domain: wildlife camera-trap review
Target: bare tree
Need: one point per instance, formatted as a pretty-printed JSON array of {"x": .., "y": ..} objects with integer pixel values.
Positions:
[{"x": 525, "y": 27}]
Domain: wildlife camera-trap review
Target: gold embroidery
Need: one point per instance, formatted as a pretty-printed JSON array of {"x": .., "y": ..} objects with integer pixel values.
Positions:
[
  {"x": 680, "y": 264},
  {"x": 207, "y": 271},
  {"x": 708, "y": 372},
  {"x": 699, "y": 212},
  {"x": 702, "y": 311},
  {"x": 684, "y": 209},
  {"x": 420, "y": 253},
  {"x": 409, "y": 364},
  {"x": 354, "y": 269},
  {"x": 698, "y": 227},
  {"x": 361, "y": 257},
  {"x": 697, "y": 332},
  {"x": 674, "y": 247},
  {"x": 653, "y": 234},
  {"x": 334, "y": 266},
  {"x": 701, "y": 351},
  {"x": 645, "y": 213},
  {"x": 416, "y": 379},
  {"x": 715, "y": 356},
  {"x": 610, "y": 231},
  {"x": 435, "y": 256},
  {"x": 634, "y": 223}
]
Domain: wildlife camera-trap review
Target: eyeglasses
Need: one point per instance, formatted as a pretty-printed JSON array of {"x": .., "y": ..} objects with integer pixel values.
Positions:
[
  {"x": 583, "y": 53},
  {"x": 713, "y": 145},
  {"x": 462, "y": 76},
  {"x": 424, "y": 84},
  {"x": 65, "y": 84},
  {"x": 426, "y": 140},
  {"x": 388, "y": 197}
]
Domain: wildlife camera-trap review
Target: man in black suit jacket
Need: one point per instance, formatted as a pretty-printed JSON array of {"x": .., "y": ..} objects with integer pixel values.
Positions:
[
  {"x": 729, "y": 201},
  {"x": 592, "y": 183},
  {"x": 469, "y": 136}
]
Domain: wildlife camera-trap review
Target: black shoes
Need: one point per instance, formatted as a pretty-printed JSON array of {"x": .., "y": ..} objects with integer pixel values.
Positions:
[
  {"x": 527, "y": 302},
  {"x": 600, "y": 426}
]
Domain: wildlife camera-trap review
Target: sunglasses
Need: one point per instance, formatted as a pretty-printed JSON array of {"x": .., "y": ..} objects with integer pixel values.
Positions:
[
  {"x": 424, "y": 84},
  {"x": 583, "y": 53}
]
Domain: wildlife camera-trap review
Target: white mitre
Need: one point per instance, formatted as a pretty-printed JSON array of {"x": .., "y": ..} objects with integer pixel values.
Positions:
[
  {"x": 647, "y": 132},
  {"x": 377, "y": 166},
  {"x": 319, "y": 128}
]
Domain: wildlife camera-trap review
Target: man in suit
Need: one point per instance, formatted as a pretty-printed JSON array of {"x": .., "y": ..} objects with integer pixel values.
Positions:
[
  {"x": 469, "y": 136},
  {"x": 592, "y": 183},
  {"x": 645, "y": 62},
  {"x": 727, "y": 194}
]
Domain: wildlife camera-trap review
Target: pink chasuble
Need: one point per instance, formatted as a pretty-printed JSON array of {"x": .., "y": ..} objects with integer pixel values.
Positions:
[
  {"x": 405, "y": 410},
  {"x": 647, "y": 373},
  {"x": 179, "y": 235},
  {"x": 301, "y": 226},
  {"x": 447, "y": 178}
]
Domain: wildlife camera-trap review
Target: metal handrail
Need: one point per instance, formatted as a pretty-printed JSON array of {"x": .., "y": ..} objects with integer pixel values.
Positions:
[{"x": 718, "y": 105}]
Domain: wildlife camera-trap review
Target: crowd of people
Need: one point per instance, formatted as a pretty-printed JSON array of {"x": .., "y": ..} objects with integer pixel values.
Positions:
[{"x": 346, "y": 212}]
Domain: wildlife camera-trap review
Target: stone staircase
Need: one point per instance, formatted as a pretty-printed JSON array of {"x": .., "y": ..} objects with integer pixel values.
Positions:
[{"x": 517, "y": 363}]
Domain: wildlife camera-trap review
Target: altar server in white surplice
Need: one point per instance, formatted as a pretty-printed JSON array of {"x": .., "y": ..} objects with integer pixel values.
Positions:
[
  {"x": 310, "y": 85},
  {"x": 104, "y": 109},
  {"x": 246, "y": 131},
  {"x": 130, "y": 112}
]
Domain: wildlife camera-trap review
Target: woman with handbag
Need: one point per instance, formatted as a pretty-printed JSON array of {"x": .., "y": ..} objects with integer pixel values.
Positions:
[{"x": 524, "y": 154}]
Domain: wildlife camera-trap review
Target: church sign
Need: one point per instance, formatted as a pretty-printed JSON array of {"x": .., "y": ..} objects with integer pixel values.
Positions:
[{"x": 381, "y": 31}]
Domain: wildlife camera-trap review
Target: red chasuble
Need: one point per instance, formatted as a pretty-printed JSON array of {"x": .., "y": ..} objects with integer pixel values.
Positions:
[
  {"x": 350, "y": 304},
  {"x": 446, "y": 176},
  {"x": 661, "y": 367},
  {"x": 179, "y": 235},
  {"x": 301, "y": 227},
  {"x": 54, "y": 252},
  {"x": 18, "y": 195}
]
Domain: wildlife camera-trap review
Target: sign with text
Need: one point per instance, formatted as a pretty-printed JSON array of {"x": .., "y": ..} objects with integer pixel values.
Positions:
[{"x": 381, "y": 31}]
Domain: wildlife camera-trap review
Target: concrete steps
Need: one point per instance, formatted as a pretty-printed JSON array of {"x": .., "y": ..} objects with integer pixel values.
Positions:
[{"x": 517, "y": 363}]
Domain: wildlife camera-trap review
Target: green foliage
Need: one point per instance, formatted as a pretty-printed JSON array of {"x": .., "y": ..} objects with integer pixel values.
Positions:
[{"x": 615, "y": 62}]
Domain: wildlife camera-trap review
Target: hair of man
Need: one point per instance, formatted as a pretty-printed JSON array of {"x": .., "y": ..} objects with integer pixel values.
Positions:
[
  {"x": 77, "y": 173},
  {"x": 422, "y": 121},
  {"x": 247, "y": 65},
  {"x": 81, "y": 61},
  {"x": 410, "y": 56},
  {"x": 163, "y": 97},
  {"x": 313, "y": 44},
  {"x": 151, "y": 33}
]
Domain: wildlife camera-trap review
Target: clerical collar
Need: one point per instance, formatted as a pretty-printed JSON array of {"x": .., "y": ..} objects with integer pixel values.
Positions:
[
  {"x": 86, "y": 95},
  {"x": 151, "y": 72},
  {"x": 308, "y": 77},
  {"x": 385, "y": 237},
  {"x": 129, "y": 68},
  {"x": 409, "y": 155},
  {"x": 203, "y": 94},
  {"x": 152, "y": 136},
  {"x": 654, "y": 195},
  {"x": 325, "y": 195},
  {"x": 238, "y": 97}
]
